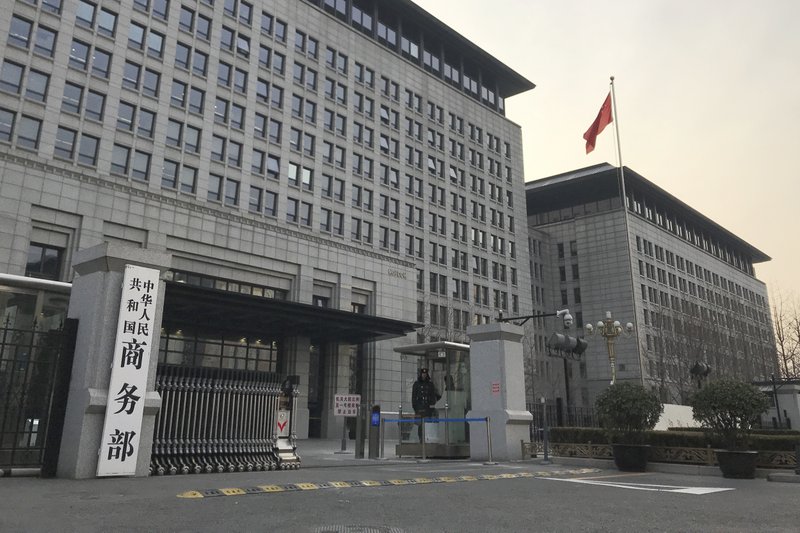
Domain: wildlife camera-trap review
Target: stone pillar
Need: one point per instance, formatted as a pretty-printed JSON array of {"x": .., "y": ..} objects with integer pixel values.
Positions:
[
  {"x": 298, "y": 357},
  {"x": 95, "y": 301},
  {"x": 497, "y": 381}
]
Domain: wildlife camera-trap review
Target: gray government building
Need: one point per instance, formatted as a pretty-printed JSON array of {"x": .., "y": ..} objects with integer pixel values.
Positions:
[
  {"x": 318, "y": 182},
  {"x": 330, "y": 193},
  {"x": 686, "y": 284}
]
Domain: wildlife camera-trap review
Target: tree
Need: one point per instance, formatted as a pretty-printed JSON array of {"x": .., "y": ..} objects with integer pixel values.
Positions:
[{"x": 786, "y": 323}]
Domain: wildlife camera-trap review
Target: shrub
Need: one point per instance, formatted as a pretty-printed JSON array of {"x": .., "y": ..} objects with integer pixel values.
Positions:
[
  {"x": 626, "y": 411},
  {"x": 729, "y": 409}
]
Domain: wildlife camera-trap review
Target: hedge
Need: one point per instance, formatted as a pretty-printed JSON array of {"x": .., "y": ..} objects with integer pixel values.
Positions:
[{"x": 678, "y": 438}]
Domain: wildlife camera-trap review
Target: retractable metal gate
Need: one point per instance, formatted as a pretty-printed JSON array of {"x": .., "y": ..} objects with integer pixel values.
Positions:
[
  {"x": 215, "y": 420},
  {"x": 220, "y": 396}
]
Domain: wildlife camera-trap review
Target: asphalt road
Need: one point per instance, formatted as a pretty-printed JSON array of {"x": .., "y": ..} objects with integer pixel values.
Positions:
[{"x": 412, "y": 497}]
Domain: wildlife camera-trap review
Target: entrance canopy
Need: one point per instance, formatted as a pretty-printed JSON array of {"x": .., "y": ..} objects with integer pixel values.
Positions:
[
  {"x": 199, "y": 307},
  {"x": 431, "y": 347}
]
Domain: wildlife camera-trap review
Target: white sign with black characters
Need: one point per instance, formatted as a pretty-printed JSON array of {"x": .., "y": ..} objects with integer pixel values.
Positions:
[
  {"x": 346, "y": 404},
  {"x": 122, "y": 428}
]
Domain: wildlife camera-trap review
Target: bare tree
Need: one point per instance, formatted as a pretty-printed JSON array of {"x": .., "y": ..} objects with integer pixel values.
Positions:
[{"x": 786, "y": 323}]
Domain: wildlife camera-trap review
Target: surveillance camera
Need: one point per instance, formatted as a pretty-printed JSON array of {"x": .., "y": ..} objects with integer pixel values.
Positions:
[{"x": 567, "y": 321}]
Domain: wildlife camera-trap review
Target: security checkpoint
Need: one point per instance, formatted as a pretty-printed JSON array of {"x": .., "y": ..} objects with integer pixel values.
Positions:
[{"x": 174, "y": 373}]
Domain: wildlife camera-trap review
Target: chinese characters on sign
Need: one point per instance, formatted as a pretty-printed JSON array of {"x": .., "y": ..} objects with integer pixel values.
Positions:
[
  {"x": 346, "y": 404},
  {"x": 126, "y": 391}
]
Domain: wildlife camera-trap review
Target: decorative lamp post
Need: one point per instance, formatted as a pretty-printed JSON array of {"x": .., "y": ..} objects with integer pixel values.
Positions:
[
  {"x": 610, "y": 329},
  {"x": 700, "y": 371}
]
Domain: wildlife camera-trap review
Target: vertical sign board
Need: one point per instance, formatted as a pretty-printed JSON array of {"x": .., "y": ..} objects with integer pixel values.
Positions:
[{"x": 122, "y": 428}]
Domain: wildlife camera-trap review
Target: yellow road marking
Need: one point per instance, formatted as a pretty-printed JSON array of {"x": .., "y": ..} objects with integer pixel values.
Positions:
[
  {"x": 271, "y": 488},
  {"x": 190, "y": 494},
  {"x": 235, "y": 491}
]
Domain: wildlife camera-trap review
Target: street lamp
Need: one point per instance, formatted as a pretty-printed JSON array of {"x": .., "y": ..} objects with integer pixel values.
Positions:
[{"x": 610, "y": 329}]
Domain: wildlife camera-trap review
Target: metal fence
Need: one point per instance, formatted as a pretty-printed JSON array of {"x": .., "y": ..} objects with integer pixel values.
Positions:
[
  {"x": 558, "y": 416},
  {"x": 35, "y": 367}
]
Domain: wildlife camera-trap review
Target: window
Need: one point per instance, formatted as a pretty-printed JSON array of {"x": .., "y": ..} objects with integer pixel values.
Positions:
[
  {"x": 28, "y": 132},
  {"x": 44, "y": 261},
  {"x": 256, "y": 194},
  {"x": 131, "y": 74},
  {"x": 169, "y": 176},
  {"x": 192, "y": 139},
  {"x": 270, "y": 203},
  {"x": 87, "y": 150},
  {"x": 6, "y": 124},
  {"x": 184, "y": 52},
  {"x": 20, "y": 32},
  {"x": 120, "y": 157},
  {"x": 231, "y": 192},
  {"x": 178, "y": 96},
  {"x": 147, "y": 121},
  {"x": 273, "y": 166},
  {"x": 151, "y": 82},
  {"x": 196, "y": 100},
  {"x": 155, "y": 44},
  {"x": 136, "y": 34},
  {"x": 65, "y": 143},
  {"x": 11, "y": 77},
  {"x": 214, "y": 188},
  {"x": 125, "y": 116},
  {"x": 79, "y": 55},
  {"x": 45, "y": 41},
  {"x": 101, "y": 63},
  {"x": 291, "y": 210},
  {"x": 36, "y": 88},
  {"x": 140, "y": 166},
  {"x": 106, "y": 23},
  {"x": 53, "y": 6}
]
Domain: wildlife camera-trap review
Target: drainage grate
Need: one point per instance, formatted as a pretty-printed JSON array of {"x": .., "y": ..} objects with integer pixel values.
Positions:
[{"x": 358, "y": 529}]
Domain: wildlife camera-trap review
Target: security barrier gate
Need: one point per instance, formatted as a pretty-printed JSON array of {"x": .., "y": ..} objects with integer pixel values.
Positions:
[{"x": 218, "y": 420}]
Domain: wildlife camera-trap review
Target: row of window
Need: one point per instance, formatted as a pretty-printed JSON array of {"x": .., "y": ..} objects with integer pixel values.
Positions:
[
  {"x": 405, "y": 38},
  {"x": 650, "y": 249},
  {"x": 660, "y": 215}
]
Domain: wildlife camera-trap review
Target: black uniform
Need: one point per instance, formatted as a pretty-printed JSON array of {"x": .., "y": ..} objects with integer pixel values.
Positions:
[{"x": 423, "y": 396}]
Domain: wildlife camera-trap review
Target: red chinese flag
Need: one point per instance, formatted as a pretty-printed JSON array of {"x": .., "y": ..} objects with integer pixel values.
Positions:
[{"x": 604, "y": 118}]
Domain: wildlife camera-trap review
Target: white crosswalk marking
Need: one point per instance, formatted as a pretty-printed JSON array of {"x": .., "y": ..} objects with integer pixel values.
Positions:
[{"x": 646, "y": 486}]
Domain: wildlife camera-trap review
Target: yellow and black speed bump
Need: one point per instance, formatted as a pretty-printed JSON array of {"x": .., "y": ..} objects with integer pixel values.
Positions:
[{"x": 301, "y": 487}]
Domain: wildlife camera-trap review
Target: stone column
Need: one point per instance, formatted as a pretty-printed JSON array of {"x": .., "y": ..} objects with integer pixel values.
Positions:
[
  {"x": 498, "y": 391},
  {"x": 94, "y": 301}
]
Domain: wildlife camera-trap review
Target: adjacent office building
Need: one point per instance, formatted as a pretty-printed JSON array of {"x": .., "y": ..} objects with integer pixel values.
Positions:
[
  {"x": 686, "y": 284},
  {"x": 322, "y": 174}
]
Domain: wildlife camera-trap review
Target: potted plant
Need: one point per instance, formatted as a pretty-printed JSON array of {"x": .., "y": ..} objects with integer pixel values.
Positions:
[
  {"x": 729, "y": 408},
  {"x": 626, "y": 411}
]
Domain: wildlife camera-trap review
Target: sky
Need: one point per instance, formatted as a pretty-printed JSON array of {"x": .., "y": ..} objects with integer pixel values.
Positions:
[{"x": 708, "y": 101}]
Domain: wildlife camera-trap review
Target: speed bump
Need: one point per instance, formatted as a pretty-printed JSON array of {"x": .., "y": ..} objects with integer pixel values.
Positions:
[{"x": 306, "y": 486}]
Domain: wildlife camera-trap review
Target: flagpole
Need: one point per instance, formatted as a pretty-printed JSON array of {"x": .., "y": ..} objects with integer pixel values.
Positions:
[
  {"x": 624, "y": 199},
  {"x": 619, "y": 148}
]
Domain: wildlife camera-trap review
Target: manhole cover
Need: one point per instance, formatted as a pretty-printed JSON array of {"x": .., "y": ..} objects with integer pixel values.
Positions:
[{"x": 358, "y": 529}]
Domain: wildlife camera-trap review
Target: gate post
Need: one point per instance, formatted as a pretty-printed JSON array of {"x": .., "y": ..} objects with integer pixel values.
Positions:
[
  {"x": 95, "y": 302},
  {"x": 497, "y": 381}
]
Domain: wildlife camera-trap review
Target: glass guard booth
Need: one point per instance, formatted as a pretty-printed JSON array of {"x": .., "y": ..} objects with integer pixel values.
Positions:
[{"x": 444, "y": 433}]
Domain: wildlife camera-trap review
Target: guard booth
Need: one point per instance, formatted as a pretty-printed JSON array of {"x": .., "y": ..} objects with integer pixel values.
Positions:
[{"x": 447, "y": 434}]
